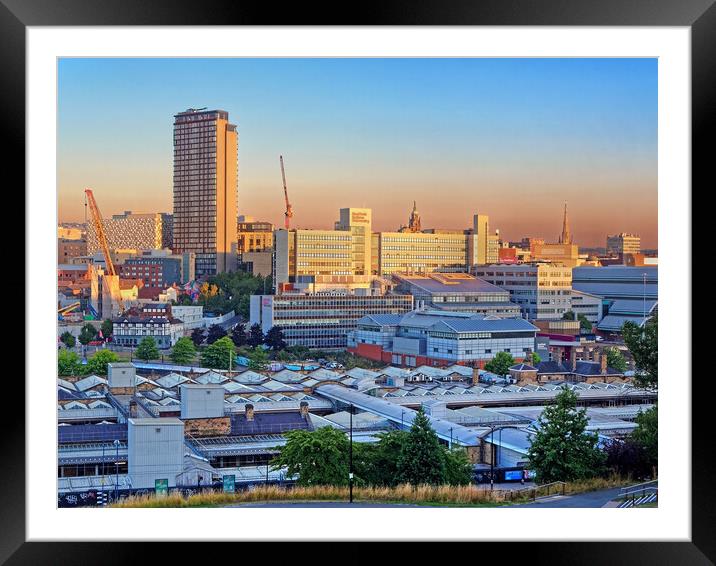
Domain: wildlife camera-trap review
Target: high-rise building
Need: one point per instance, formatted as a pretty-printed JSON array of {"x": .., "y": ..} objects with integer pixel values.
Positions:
[
  {"x": 205, "y": 189},
  {"x": 479, "y": 242},
  {"x": 126, "y": 231},
  {"x": 621, "y": 244},
  {"x": 422, "y": 252}
]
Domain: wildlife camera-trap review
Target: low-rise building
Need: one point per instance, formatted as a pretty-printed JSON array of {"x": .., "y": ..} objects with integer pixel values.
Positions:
[
  {"x": 438, "y": 338},
  {"x": 456, "y": 292},
  {"x": 323, "y": 319}
]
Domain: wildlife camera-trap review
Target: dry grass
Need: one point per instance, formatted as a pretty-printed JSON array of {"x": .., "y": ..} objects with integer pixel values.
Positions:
[
  {"x": 423, "y": 494},
  {"x": 448, "y": 495}
]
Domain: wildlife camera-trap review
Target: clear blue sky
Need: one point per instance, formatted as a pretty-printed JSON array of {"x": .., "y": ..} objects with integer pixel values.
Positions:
[{"x": 511, "y": 138}]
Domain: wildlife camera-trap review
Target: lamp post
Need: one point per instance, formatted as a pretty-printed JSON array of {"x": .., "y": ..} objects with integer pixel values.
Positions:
[
  {"x": 116, "y": 470},
  {"x": 350, "y": 459},
  {"x": 644, "y": 297},
  {"x": 450, "y": 445},
  {"x": 492, "y": 457},
  {"x": 402, "y": 411}
]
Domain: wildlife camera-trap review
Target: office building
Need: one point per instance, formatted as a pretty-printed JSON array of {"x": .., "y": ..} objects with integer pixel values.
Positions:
[
  {"x": 422, "y": 252},
  {"x": 322, "y": 320},
  {"x": 456, "y": 292},
  {"x": 340, "y": 255},
  {"x": 133, "y": 231},
  {"x": 621, "y": 244},
  {"x": 438, "y": 338},
  {"x": 543, "y": 291},
  {"x": 205, "y": 189}
]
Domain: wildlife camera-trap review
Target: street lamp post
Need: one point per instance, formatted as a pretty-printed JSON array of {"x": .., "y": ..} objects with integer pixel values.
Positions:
[
  {"x": 450, "y": 446},
  {"x": 402, "y": 411},
  {"x": 116, "y": 470},
  {"x": 350, "y": 459},
  {"x": 492, "y": 457}
]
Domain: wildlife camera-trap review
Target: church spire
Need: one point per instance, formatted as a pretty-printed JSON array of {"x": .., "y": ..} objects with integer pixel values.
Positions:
[{"x": 566, "y": 237}]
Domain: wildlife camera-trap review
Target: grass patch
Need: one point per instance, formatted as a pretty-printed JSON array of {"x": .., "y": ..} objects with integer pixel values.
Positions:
[
  {"x": 445, "y": 495},
  {"x": 422, "y": 495}
]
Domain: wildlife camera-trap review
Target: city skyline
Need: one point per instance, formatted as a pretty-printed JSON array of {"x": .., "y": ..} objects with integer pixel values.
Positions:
[{"x": 510, "y": 138}]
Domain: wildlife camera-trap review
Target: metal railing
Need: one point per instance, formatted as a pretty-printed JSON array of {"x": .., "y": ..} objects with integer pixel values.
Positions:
[
  {"x": 639, "y": 492},
  {"x": 539, "y": 491}
]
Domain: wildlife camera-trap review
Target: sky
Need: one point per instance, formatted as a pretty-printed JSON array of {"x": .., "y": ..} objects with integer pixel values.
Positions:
[{"x": 511, "y": 138}]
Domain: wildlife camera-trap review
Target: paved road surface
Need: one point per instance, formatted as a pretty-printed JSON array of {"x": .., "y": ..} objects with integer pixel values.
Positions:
[
  {"x": 324, "y": 504},
  {"x": 591, "y": 499}
]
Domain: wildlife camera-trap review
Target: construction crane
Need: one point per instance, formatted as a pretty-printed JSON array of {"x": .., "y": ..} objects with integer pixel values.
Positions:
[
  {"x": 102, "y": 238},
  {"x": 289, "y": 211}
]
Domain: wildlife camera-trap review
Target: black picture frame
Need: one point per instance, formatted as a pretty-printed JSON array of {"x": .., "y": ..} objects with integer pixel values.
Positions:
[{"x": 699, "y": 15}]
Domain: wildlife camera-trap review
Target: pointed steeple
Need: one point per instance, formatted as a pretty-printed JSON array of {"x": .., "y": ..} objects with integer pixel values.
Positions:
[{"x": 566, "y": 237}]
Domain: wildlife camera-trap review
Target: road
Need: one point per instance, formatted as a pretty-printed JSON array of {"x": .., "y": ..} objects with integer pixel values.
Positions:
[
  {"x": 590, "y": 499},
  {"x": 322, "y": 504}
]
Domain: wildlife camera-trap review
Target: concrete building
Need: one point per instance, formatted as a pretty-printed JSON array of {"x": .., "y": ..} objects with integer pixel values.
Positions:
[
  {"x": 133, "y": 231},
  {"x": 255, "y": 247},
  {"x": 68, "y": 249},
  {"x": 322, "y": 320},
  {"x": 623, "y": 243},
  {"x": 456, "y": 292},
  {"x": 587, "y": 304},
  {"x": 155, "y": 451},
  {"x": 543, "y": 291},
  {"x": 205, "y": 189},
  {"x": 438, "y": 338}
]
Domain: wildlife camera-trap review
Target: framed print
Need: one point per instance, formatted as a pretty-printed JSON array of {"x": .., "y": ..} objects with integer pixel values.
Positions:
[{"x": 406, "y": 264}]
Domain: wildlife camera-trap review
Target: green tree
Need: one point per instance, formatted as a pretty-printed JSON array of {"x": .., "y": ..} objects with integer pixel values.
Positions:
[
  {"x": 97, "y": 364},
  {"x": 643, "y": 343},
  {"x": 562, "y": 450},
  {"x": 274, "y": 339},
  {"x": 147, "y": 349},
  {"x": 377, "y": 463},
  {"x": 87, "y": 334},
  {"x": 536, "y": 358},
  {"x": 107, "y": 328},
  {"x": 646, "y": 434},
  {"x": 319, "y": 457},
  {"x": 501, "y": 363},
  {"x": 256, "y": 336},
  {"x": 183, "y": 352},
  {"x": 616, "y": 360},
  {"x": 68, "y": 363},
  {"x": 458, "y": 468},
  {"x": 584, "y": 323},
  {"x": 258, "y": 359},
  {"x": 421, "y": 459},
  {"x": 219, "y": 354},
  {"x": 68, "y": 339}
]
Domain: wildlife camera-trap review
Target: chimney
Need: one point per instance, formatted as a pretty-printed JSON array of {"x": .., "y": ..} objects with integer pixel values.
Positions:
[
  {"x": 304, "y": 409},
  {"x": 249, "y": 412},
  {"x": 603, "y": 363},
  {"x": 133, "y": 409},
  {"x": 475, "y": 376},
  {"x": 573, "y": 358}
]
